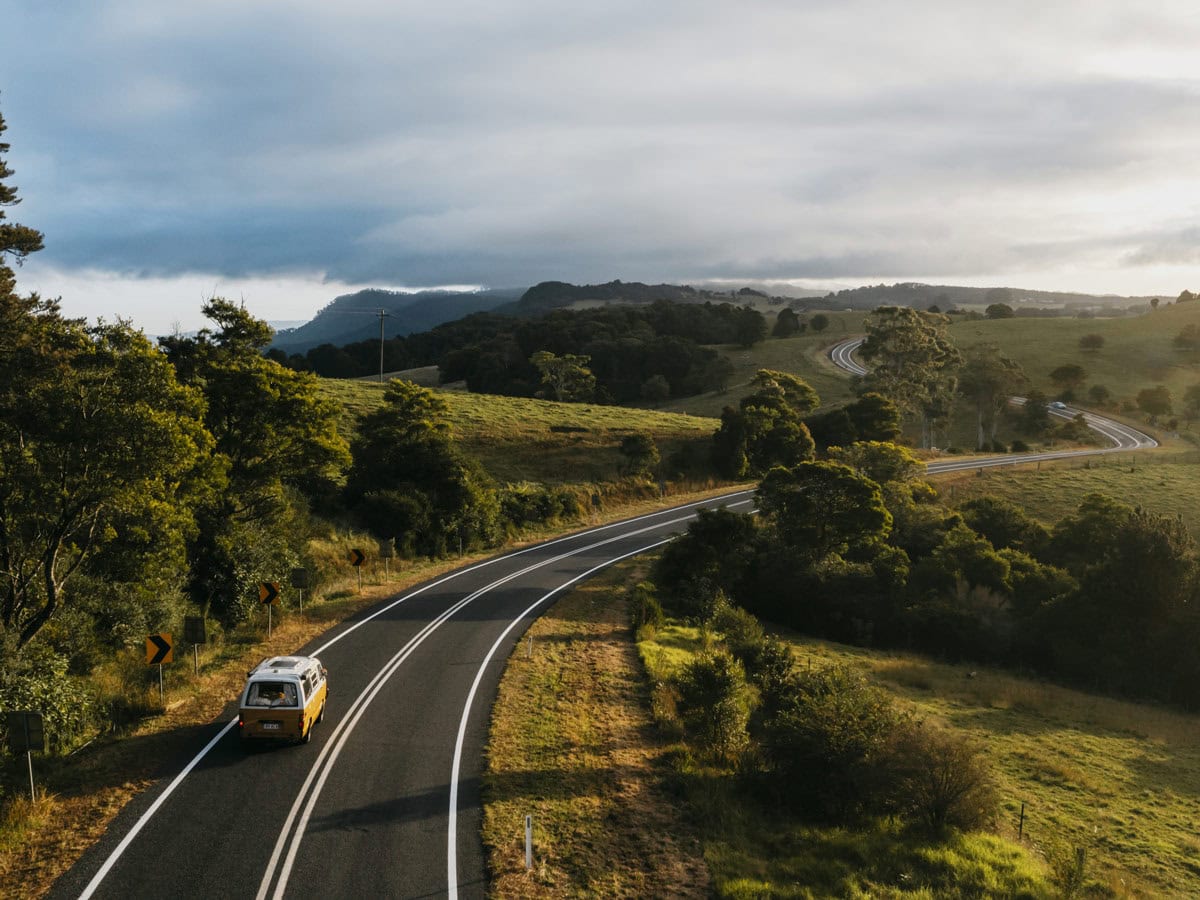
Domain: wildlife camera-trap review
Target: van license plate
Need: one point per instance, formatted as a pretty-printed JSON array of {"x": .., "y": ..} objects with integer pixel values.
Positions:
[{"x": 270, "y": 726}]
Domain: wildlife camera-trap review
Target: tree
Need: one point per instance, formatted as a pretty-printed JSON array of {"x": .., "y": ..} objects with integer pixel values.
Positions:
[
  {"x": 640, "y": 454},
  {"x": 1155, "y": 401},
  {"x": 408, "y": 480},
  {"x": 787, "y": 323},
  {"x": 1188, "y": 338},
  {"x": 880, "y": 461},
  {"x": 1191, "y": 402},
  {"x": 767, "y": 428},
  {"x": 824, "y": 507},
  {"x": 819, "y": 322},
  {"x": 1084, "y": 539},
  {"x": 1090, "y": 343},
  {"x": 988, "y": 379},
  {"x": 656, "y": 390},
  {"x": 962, "y": 556},
  {"x": 101, "y": 454},
  {"x": 912, "y": 360},
  {"x": 713, "y": 554},
  {"x": 16, "y": 241},
  {"x": 276, "y": 436},
  {"x": 1185, "y": 296},
  {"x": 1068, "y": 377},
  {"x": 750, "y": 327},
  {"x": 1099, "y": 394},
  {"x": 1035, "y": 414},
  {"x": 874, "y": 418},
  {"x": 1004, "y": 524},
  {"x": 999, "y": 311},
  {"x": 567, "y": 376},
  {"x": 827, "y": 738},
  {"x": 796, "y": 392}
]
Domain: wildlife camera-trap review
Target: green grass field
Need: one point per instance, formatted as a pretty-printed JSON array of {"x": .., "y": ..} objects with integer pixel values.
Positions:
[
  {"x": 1164, "y": 483},
  {"x": 1117, "y": 779},
  {"x": 1138, "y": 351},
  {"x": 521, "y": 439}
]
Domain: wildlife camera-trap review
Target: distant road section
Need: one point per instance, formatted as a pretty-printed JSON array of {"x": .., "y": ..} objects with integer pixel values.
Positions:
[{"x": 1121, "y": 437}]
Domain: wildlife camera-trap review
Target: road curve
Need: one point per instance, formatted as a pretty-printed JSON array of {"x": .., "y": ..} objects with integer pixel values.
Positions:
[
  {"x": 1121, "y": 437},
  {"x": 385, "y": 800}
]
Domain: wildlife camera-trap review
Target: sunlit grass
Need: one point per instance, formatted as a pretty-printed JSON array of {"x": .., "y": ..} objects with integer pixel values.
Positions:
[{"x": 1164, "y": 483}]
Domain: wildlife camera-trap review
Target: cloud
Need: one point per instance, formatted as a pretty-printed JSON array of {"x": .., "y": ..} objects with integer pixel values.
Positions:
[{"x": 509, "y": 143}]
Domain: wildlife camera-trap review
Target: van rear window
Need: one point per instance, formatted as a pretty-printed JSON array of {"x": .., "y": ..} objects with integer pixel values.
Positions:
[{"x": 271, "y": 693}]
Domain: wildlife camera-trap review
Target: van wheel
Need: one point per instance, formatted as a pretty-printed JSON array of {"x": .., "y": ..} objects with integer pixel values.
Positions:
[
  {"x": 307, "y": 736},
  {"x": 321, "y": 714}
]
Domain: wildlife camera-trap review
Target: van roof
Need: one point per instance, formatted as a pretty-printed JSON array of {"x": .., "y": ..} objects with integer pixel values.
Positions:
[{"x": 283, "y": 665}]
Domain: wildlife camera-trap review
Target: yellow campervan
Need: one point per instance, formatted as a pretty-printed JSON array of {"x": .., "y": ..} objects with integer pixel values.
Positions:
[{"x": 283, "y": 699}]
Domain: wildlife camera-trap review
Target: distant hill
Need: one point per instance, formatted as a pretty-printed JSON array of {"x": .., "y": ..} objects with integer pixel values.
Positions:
[
  {"x": 557, "y": 294},
  {"x": 945, "y": 296},
  {"x": 355, "y": 317}
]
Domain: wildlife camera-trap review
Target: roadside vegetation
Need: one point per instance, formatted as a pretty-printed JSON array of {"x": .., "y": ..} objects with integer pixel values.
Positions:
[{"x": 1108, "y": 787}]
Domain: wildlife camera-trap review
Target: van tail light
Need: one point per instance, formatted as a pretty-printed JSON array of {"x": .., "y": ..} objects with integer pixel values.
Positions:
[{"x": 241, "y": 723}]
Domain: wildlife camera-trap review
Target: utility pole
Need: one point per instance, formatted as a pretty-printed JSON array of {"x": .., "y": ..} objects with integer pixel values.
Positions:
[{"x": 383, "y": 314}]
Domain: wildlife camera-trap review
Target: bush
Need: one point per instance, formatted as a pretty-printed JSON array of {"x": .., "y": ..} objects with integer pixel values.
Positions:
[
  {"x": 714, "y": 702},
  {"x": 1019, "y": 446},
  {"x": 525, "y": 504},
  {"x": 646, "y": 610},
  {"x": 939, "y": 779},
  {"x": 35, "y": 679},
  {"x": 827, "y": 742}
]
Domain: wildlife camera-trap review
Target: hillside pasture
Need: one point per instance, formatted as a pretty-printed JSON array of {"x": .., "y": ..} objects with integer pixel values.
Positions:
[
  {"x": 1164, "y": 483},
  {"x": 1138, "y": 351},
  {"x": 521, "y": 439}
]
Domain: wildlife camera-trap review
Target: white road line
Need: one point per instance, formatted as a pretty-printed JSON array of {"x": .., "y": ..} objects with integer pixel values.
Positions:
[
  {"x": 455, "y": 768},
  {"x": 295, "y": 824},
  {"x": 133, "y": 832},
  {"x": 141, "y": 823}
]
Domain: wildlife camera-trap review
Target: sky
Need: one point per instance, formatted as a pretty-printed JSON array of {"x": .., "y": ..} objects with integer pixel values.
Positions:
[{"x": 287, "y": 151}]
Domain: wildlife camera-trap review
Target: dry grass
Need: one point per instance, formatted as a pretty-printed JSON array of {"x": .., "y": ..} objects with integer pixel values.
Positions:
[{"x": 572, "y": 745}]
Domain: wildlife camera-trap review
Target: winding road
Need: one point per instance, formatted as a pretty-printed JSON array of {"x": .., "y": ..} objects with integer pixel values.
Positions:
[
  {"x": 1122, "y": 438},
  {"x": 385, "y": 800}
]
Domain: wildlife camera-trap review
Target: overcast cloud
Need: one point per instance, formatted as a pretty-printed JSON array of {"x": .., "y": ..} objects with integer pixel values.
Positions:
[{"x": 287, "y": 150}]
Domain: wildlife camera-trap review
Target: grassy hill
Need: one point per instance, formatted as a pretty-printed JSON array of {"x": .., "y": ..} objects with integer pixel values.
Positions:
[
  {"x": 520, "y": 439},
  {"x": 1138, "y": 352}
]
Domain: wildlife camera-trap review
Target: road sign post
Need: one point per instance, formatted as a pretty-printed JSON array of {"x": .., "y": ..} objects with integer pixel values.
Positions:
[
  {"x": 195, "y": 634},
  {"x": 387, "y": 549},
  {"x": 299, "y": 581},
  {"x": 268, "y": 595},
  {"x": 356, "y": 558},
  {"x": 159, "y": 650},
  {"x": 26, "y": 734}
]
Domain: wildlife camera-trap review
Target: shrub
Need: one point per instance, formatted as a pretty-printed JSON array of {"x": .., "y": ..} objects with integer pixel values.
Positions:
[
  {"x": 36, "y": 680},
  {"x": 1019, "y": 446},
  {"x": 827, "y": 741},
  {"x": 939, "y": 779},
  {"x": 714, "y": 702},
  {"x": 646, "y": 608}
]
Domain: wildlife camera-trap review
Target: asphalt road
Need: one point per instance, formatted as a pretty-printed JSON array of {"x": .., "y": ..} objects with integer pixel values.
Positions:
[
  {"x": 1121, "y": 437},
  {"x": 385, "y": 800}
]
